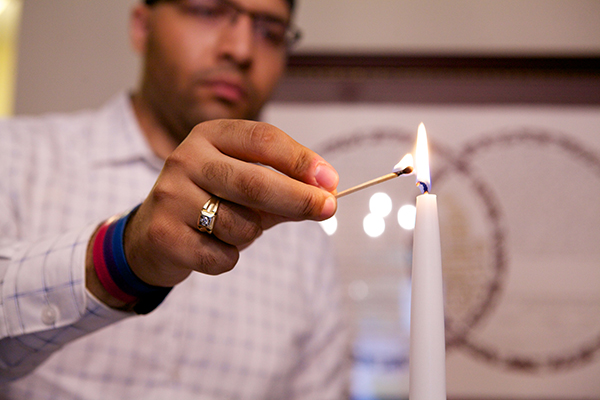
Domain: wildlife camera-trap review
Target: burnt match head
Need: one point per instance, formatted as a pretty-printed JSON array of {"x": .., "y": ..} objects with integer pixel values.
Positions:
[
  {"x": 406, "y": 171},
  {"x": 405, "y": 166}
]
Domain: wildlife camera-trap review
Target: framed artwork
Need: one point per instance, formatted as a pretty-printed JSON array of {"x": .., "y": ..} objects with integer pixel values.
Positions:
[{"x": 515, "y": 158}]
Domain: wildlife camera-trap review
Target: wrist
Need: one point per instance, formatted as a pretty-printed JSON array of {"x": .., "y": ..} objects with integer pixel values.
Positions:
[
  {"x": 94, "y": 285},
  {"x": 110, "y": 276}
]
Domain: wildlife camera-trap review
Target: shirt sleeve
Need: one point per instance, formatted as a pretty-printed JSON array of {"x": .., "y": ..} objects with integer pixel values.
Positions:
[
  {"x": 44, "y": 302},
  {"x": 324, "y": 369}
]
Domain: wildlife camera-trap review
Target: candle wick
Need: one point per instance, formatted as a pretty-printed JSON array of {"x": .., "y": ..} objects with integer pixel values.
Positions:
[{"x": 423, "y": 186}]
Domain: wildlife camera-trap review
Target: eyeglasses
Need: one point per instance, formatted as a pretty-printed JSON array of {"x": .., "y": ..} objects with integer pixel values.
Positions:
[{"x": 268, "y": 29}]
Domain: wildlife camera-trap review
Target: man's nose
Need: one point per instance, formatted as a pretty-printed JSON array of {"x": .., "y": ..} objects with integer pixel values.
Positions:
[{"x": 237, "y": 40}]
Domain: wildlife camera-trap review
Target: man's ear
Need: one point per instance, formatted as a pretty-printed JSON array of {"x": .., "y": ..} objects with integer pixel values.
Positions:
[{"x": 138, "y": 27}]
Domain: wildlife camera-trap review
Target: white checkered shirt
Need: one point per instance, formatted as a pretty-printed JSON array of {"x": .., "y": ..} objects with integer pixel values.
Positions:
[{"x": 269, "y": 329}]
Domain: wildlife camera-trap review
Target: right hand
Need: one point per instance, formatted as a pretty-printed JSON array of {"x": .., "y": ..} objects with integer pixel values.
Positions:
[{"x": 219, "y": 158}]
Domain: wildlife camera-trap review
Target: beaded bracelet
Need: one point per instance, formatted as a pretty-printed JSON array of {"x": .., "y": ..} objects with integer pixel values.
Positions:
[{"x": 114, "y": 272}]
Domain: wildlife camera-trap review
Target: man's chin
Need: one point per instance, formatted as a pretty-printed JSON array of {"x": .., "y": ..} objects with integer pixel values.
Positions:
[{"x": 224, "y": 110}]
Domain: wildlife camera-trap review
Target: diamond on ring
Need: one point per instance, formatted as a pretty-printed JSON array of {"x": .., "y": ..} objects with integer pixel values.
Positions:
[{"x": 206, "y": 219}]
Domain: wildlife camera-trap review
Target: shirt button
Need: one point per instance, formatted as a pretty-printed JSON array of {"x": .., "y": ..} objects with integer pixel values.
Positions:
[{"x": 49, "y": 315}]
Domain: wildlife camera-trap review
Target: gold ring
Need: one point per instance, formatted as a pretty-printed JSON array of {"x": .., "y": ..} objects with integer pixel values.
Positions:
[{"x": 206, "y": 219}]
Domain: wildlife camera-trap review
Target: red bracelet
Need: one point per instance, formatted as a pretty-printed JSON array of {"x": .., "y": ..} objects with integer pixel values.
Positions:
[
  {"x": 114, "y": 272},
  {"x": 102, "y": 271}
]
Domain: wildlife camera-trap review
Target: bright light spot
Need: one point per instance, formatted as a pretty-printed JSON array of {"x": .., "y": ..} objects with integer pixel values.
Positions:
[
  {"x": 3, "y": 5},
  {"x": 358, "y": 290},
  {"x": 373, "y": 225},
  {"x": 406, "y": 216},
  {"x": 380, "y": 204},
  {"x": 329, "y": 225}
]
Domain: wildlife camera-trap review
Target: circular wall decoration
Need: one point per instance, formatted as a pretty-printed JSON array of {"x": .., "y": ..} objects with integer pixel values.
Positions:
[{"x": 517, "y": 211}]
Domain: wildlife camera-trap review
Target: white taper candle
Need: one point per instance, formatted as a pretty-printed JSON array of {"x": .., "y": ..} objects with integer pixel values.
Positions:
[{"x": 427, "y": 359}]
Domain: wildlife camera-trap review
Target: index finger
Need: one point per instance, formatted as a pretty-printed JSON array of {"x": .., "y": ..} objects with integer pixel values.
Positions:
[{"x": 259, "y": 142}]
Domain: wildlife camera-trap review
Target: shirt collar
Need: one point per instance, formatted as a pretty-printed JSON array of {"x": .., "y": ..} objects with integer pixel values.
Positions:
[{"x": 117, "y": 137}]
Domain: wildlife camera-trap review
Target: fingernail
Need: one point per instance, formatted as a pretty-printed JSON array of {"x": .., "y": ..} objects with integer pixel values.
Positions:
[
  {"x": 326, "y": 176},
  {"x": 328, "y": 208}
]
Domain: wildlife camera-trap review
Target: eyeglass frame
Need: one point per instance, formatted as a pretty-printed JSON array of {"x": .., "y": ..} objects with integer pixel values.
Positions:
[{"x": 292, "y": 32}]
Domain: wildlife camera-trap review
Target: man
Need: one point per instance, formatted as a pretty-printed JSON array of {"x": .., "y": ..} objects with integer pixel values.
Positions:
[{"x": 74, "y": 279}]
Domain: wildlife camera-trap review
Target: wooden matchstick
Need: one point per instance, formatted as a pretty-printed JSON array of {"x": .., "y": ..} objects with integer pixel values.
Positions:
[{"x": 375, "y": 181}]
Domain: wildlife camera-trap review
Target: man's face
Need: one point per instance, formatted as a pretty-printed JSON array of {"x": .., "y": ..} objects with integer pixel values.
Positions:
[{"x": 196, "y": 70}]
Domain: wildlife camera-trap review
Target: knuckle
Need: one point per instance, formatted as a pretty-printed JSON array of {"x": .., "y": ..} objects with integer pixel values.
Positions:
[
  {"x": 205, "y": 261},
  {"x": 253, "y": 186},
  {"x": 217, "y": 171},
  {"x": 301, "y": 163},
  {"x": 240, "y": 225},
  {"x": 208, "y": 262},
  {"x": 248, "y": 232},
  {"x": 309, "y": 205},
  {"x": 163, "y": 192},
  {"x": 225, "y": 124},
  {"x": 261, "y": 138},
  {"x": 175, "y": 160}
]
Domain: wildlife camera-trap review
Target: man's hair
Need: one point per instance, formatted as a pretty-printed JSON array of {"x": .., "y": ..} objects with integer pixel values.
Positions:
[{"x": 151, "y": 2}]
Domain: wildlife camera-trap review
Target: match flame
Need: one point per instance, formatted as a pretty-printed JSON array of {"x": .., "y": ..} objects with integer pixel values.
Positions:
[
  {"x": 422, "y": 161},
  {"x": 405, "y": 166}
]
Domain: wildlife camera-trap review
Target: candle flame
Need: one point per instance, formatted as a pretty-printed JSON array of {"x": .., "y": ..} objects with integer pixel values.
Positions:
[
  {"x": 422, "y": 160},
  {"x": 405, "y": 166}
]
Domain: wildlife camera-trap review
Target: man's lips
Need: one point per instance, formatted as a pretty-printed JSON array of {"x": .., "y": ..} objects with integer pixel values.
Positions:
[{"x": 227, "y": 89}]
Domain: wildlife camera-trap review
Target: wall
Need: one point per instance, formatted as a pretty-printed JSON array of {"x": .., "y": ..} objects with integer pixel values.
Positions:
[
  {"x": 441, "y": 26},
  {"x": 75, "y": 54},
  {"x": 72, "y": 54}
]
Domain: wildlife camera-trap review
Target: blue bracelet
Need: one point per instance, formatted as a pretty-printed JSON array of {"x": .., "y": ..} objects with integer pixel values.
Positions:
[
  {"x": 136, "y": 286},
  {"x": 111, "y": 265},
  {"x": 114, "y": 255}
]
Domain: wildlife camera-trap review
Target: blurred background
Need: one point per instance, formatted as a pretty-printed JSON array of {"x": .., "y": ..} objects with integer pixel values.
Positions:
[
  {"x": 509, "y": 92},
  {"x": 73, "y": 54}
]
